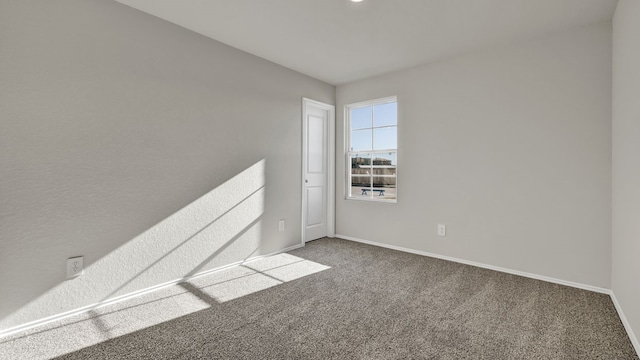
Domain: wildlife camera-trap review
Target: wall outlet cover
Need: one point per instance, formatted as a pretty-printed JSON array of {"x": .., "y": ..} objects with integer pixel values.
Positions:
[
  {"x": 442, "y": 230},
  {"x": 75, "y": 266}
]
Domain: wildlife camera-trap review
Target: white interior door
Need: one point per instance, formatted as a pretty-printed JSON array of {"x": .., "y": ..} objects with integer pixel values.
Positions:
[{"x": 317, "y": 182}]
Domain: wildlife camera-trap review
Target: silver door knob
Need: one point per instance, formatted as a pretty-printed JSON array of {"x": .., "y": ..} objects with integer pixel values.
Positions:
[{"x": 305, "y": 180}]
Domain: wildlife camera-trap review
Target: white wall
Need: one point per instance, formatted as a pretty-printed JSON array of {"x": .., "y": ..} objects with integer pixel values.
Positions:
[
  {"x": 626, "y": 161},
  {"x": 510, "y": 148},
  {"x": 110, "y": 121}
]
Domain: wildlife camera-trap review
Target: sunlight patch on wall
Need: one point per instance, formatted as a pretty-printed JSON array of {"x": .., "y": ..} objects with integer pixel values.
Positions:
[{"x": 219, "y": 228}]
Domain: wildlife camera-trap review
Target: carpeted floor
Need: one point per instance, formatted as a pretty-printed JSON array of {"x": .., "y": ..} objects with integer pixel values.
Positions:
[{"x": 356, "y": 301}]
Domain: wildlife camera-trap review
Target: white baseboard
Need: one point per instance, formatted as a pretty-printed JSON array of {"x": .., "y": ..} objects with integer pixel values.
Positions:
[
  {"x": 481, "y": 265},
  {"x": 36, "y": 323},
  {"x": 625, "y": 322}
]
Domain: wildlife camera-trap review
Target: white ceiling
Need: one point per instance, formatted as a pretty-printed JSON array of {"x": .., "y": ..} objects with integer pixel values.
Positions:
[{"x": 338, "y": 41}]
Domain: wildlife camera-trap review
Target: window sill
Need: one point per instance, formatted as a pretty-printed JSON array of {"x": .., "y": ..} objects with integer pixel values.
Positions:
[{"x": 383, "y": 201}]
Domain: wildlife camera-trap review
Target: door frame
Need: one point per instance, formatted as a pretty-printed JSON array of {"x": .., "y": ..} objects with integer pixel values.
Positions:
[{"x": 331, "y": 165}]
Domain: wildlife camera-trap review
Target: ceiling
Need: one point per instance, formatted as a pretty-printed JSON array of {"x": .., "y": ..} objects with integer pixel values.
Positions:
[{"x": 338, "y": 41}]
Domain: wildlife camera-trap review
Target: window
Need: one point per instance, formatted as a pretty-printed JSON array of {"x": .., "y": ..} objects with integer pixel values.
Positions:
[{"x": 372, "y": 149}]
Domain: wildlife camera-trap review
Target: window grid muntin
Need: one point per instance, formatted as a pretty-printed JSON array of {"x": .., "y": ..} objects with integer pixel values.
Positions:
[{"x": 349, "y": 153}]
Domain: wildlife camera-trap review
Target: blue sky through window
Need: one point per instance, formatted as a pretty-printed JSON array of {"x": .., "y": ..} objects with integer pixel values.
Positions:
[
  {"x": 374, "y": 127},
  {"x": 385, "y": 114},
  {"x": 361, "y": 118}
]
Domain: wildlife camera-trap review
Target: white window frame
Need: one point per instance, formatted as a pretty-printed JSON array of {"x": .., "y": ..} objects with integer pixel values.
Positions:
[{"x": 348, "y": 152}]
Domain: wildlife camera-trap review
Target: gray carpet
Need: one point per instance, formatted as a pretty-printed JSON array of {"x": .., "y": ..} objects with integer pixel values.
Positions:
[{"x": 364, "y": 303}]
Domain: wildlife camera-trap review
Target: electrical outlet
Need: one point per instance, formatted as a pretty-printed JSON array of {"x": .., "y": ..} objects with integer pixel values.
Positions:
[
  {"x": 75, "y": 266},
  {"x": 281, "y": 225},
  {"x": 442, "y": 230}
]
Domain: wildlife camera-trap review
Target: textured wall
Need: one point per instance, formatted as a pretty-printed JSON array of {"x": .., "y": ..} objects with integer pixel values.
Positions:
[
  {"x": 510, "y": 148},
  {"x": 626, "y": 161},
  {"x": 111, "y": 121}
]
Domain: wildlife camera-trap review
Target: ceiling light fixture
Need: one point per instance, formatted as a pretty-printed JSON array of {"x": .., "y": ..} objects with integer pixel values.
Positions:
[{"x": 356, "y": 0}]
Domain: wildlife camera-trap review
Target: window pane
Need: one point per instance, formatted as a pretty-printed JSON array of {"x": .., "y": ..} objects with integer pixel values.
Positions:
[
  {"x": 384, "y": 188},
  {"x": 384, "y": 164},
  {"x": 385, "y": 138},
  {"x": 385, "y": 114},
  {"x": 361, "y": 140},
  {"x": 361, "y": 118},
  {"x": 384, "y": 175},
  {"x": 360, "y": 176}
]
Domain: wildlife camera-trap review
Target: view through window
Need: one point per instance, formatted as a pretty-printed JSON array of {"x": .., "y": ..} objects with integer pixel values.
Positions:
[{"x": 372, "y": 148}]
